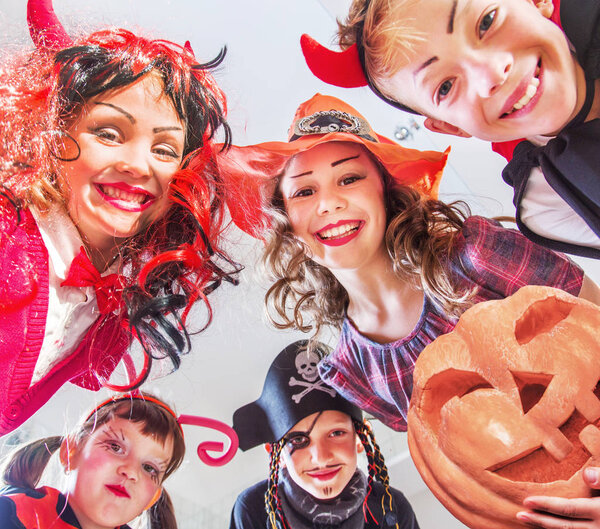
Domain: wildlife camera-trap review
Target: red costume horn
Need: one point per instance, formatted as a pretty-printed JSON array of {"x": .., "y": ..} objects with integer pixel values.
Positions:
[
  {"x": 44, "y": 27},
  {"x": 339, "y": 68}
]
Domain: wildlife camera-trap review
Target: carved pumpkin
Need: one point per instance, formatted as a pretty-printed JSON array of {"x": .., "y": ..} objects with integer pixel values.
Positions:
[{"x": 506, "y": 405}]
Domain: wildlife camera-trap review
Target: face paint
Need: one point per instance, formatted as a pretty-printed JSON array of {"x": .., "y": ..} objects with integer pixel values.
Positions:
[{"x": 298, "y": 440}]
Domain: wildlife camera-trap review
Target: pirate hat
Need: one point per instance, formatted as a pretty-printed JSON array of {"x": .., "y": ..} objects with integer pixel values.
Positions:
[
  {"x": 292, "y": 391},
  {"x": 252, "y": 170}
]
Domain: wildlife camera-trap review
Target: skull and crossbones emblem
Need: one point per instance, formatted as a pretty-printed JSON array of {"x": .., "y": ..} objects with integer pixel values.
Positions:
[{"x": 306, "y": 366}]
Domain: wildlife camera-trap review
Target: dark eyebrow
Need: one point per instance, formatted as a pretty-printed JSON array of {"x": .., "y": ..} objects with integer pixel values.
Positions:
[
  {"x": 451, "y": 18},
  {"x": 338, "y": 162},
  {"x": 163, "y": 129},
  {"x": 118, "y": 109},
  {"x": 425, "y": 65},
  {"x": 301, "y": 174}
]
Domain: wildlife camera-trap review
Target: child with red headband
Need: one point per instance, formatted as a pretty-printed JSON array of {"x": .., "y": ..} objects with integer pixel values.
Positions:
[
  {"x": 111, "y": 213},
  {"x": 115, "y": 463},
  {"x": 356, "y": 239},
  {"x": 499, "y": 72}
]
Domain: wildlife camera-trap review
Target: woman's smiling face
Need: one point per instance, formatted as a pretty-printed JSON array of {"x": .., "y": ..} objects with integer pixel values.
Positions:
[
  {"x": 131, "y": 143},
  {"x": 333, "y": 196}
]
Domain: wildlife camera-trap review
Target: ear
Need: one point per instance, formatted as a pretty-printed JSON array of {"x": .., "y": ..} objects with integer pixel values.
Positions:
[
  {"x": 154, "y": 499},
  {"x": 545, "y": 7},
  {"x": 436, "y": 125},
  {"x": 67, "y": 453},
  {"x": 359, "y": 446}
]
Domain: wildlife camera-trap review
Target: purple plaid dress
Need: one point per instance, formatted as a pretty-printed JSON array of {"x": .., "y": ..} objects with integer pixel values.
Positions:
[{"x": 378, "y": 377}]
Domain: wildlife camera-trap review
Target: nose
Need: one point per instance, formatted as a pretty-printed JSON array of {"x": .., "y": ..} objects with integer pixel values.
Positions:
[
  {"x": 330, "y": 200},
  {"x": 320, "y": 452},
  {"x": 134, "y": 160},
  {"x": 489, "y": 71},
  {"x": 128, "y": 470}
]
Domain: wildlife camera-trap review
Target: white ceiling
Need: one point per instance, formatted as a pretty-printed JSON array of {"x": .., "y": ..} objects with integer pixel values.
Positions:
[{"x": 265, "y": 79}]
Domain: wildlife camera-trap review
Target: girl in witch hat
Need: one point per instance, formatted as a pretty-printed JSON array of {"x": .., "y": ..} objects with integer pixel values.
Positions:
[
  {"x": 356, "y": 239},
  {"x": 314, "y": 437},
  {"x": 110, "y": 214}
]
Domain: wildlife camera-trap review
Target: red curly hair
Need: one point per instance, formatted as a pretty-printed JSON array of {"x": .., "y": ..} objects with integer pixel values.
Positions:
[{"x": 177, "y": 259}]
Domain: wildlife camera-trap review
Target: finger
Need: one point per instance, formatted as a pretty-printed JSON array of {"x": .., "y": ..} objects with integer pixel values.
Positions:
[
  {"x": 574, "y": 508},
  {"x": 591, "y": 476},
  {"x": 547, "y": 521}
]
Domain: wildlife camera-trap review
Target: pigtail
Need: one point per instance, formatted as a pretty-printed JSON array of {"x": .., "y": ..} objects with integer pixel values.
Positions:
[
  {"x": 377, "y": 471},
  {"x": 23, "y": 468},
  {"x": 162, "y": 513},
  {"x": 275, "y": 516}
]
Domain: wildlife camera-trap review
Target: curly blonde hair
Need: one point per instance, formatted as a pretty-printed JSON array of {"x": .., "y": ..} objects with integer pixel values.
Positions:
[
  {"x": 388, "y": 36},
  {"x": 420, "y": 235}
]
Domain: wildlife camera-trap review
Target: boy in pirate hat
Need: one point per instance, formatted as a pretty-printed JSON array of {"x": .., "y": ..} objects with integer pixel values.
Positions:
[{"x": 314, "y": 437}]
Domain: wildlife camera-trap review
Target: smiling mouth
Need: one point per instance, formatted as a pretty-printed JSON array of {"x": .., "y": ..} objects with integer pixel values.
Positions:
[
  {"x": 530, "y": 91},
  {"x": 128, "y": 199},
  {"x": 118, "y": 490},
  {"x": 339, "y": 232}
]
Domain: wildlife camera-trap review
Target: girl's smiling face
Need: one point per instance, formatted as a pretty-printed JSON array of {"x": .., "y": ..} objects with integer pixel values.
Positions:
[
  {"x": 333, "y": 197},
  {"x": 115, "y": 473},
  {"x": 321, "y": 453},
  {"x": 131, "y": 143}
]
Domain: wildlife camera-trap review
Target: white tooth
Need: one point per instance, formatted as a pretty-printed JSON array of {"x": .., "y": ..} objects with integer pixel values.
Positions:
[
  {"x": 531, "y": 90},
  {"x": 518, "y": 106},
  {"x": 535, "y": 82}
]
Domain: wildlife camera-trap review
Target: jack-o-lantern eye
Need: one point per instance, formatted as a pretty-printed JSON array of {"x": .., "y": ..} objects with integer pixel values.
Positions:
[
  {"x": 532, "y": 387},
  {"x": 541, "y": 317}
]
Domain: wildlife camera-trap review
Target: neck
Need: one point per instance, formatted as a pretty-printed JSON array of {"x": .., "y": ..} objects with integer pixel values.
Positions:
[{"x": 381, "y": 305}]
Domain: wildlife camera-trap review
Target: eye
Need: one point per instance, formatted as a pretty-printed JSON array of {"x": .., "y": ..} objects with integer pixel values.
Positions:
[
  {"x": 152, "y": 470},
  {"x": 109, "y": 135},
  {"x": 166, "y": 152},
  {"x": 113, "y": 446},
  {"x": 296, "y": 441},
  {"x": 486, "y": 22},
  {"x": 338, "y": 433},
  {"x": 305, "y": 192},
  {"x": 350, "y": 179},
  {"x": 444, "y": 89}
]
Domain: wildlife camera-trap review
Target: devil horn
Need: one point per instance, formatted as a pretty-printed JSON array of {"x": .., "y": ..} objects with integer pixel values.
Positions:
[
  {"x": 339, "y": 68},
  {"x": 44, "y": 27}
]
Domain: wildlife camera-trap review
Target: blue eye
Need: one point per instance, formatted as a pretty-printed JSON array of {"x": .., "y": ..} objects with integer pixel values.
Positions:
[
  {"x": 444, "y": 89},
  {"x": 486, "y": 22}
]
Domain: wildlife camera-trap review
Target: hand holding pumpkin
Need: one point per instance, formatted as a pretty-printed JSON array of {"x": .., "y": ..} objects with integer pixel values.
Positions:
[{"x": 561, "y": 513}]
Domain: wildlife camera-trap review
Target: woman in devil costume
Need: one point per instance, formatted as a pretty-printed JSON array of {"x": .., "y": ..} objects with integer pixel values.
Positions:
[{"x": 111, "y": 212}]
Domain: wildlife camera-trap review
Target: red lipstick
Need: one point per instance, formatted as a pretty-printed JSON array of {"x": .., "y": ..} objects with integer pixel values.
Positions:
[
  {"x": 122, "y": 203},
  {"x": 325, "y": 474},
  {"x": 118, "y": 490},
  {"x": 339, "y": 240}
]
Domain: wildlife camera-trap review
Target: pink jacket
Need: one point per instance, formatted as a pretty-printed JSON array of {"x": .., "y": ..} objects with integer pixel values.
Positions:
[{"x": 23, "y": 311}]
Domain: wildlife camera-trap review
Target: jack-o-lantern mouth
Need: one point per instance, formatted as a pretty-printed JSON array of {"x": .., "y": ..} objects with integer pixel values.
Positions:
[{"x": 539, "y": 466}]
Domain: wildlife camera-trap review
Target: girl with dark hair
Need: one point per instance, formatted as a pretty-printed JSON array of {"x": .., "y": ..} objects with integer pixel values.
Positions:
[
  {"x": 314, "y": 437},
  {"x": 111, "y": 217},
  {"x": 116, "y": 462}
]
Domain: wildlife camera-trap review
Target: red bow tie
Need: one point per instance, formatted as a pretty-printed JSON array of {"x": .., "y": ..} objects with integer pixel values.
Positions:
[{"x": 109, "y": 289}]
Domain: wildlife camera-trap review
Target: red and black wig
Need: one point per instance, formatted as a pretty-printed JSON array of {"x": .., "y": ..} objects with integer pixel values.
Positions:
[{"x": 177, "y": 259}]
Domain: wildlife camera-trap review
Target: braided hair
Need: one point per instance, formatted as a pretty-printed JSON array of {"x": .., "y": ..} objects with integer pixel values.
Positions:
[{"x": 377, "y": 471}]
